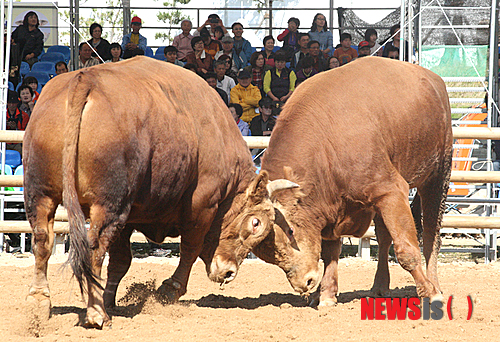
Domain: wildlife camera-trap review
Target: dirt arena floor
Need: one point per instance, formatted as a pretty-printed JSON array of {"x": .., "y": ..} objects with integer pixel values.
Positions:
[{"x": 259, "y": 305}]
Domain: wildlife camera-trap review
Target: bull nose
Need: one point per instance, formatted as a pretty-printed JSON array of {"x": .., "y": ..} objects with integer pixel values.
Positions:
[
  {"x": 222, "y": 271},
  {"x": 308, "y": 282}
]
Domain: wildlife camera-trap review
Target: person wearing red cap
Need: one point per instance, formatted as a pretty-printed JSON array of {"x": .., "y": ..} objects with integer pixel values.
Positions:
[
  {"x": 363, "y": 48},
  {"x": 134, "y": 43}
]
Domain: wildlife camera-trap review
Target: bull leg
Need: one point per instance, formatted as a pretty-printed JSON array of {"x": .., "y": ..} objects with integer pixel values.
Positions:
[
  {"x": 42, "y": 224},
  {"x": 382, "y": 277},
  {"x": 329, "y": 287},
  {"x": 395, "y": 211},
  {"x": 103, "y": 231},
  {"x": 120, "y": 258},
  {"x": 191, "y": 246}
]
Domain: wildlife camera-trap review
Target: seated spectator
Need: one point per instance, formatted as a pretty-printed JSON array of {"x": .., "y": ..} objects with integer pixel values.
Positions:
[
  {"x": 371, "y": 37},
  {"x": 363, "y": 48},
  {"x": 218, "y": 33},
  {"x": 99, "y": 44},
  {"x": 191, "y": 66},
  {"x": 211, "y": 79},
  {"x": 257, "y": 69},
  {"x": 229, "y": 69},
  {"x": 61, "y": 68},
  {"x": 28, "y": 39},
  {"x": 392, "y": 52},
  {"x": 395, "y": 42},
  {"x": 32, "y": 82},
  {"x": 85, "y": 59},
  {"x": 290, "y": 38},
  {"x": 345, "y": 53},
  {"x": 202, "y": 60},
  {"x": 263, "y": 124},
  {"x": 115, "y": 50},
  {"x": 170, "y": 53},
  {"x": 306, "y": 71},
  {"x": 236, "y": 110},
  {"x": 319, "y": 62},
  {"x": 26, "y": 95},
  {"x": 16, "y": 119},
  {"x": 240, "y": 43},
  {"x": 267, "y": 52},
  {"x": 224, "y": 82},
  {"x": 134, "y": 44},
  {"x": 246, "y": 95},
  {"x": 183, "y": 41},
  {"x": 302, "y": 51},
  {"x": 279, "y": 82},
  {"x": 237, "y": 62},
  {"x": 319, "y": 32},
  {"x": 333, "y": 63},
  {"x": 211, "y": 46},
  {"x": 213, "y": 21}
]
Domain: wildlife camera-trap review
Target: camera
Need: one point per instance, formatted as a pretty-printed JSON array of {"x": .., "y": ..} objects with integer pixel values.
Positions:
[{"x": 214, "y": 21}]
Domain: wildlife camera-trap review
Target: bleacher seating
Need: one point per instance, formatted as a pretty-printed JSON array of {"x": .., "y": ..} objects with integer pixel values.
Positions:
[
  {"x": 65, "y": 50},
  {"x": 149, "y": 52},
  {"x": 160, "y": 51},
  {"x": 11, "y": 86},
  {"x": 48, "y": 67},
  {"x": 159, "y": 57},
  {"x": 8, "y": 170},
  {"x": 19, "y": 172},
  {"x": 25, "y": 68},
  {"x": 42, "y": 77},
  {"x": 53, "y": 57},
  {"x": 12, "y": 158}
]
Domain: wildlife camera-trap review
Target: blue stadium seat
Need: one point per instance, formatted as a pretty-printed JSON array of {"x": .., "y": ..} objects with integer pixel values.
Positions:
[
  {"x": 41, "y": 54},
  {"x": 355, "y": 47},
  {"x": 19, "y": 172},
  {"x": 12, "y": 158},
  {"x": 25, "y": 68},
  {"x": 8, "y": 170},
  {"x": 276, "y": 48},
  {"x": 65, "y": 50},
  {"x": 160, "y": 51},
  {"x": 11, "y": 86},
  {"x": 159, "y": 57},
  {"x": 149, "y": 52},
  {"x": 48, "y": 67},
  {"x": 53, "y": 57},
  {"x": 42, "y": 77}
]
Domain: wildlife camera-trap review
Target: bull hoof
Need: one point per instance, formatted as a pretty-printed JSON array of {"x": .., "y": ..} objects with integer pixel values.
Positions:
[
  {"x": 328, "y": 302},
  {"x": 94, "y": 319},
  {"x": 380, "y": 293},
  {"x": 170, "y": 291},
  {"x": 38, "y": 300}
]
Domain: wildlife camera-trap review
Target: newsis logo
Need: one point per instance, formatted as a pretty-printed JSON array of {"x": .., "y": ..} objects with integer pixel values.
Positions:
[{"x": 408, "y": 308}]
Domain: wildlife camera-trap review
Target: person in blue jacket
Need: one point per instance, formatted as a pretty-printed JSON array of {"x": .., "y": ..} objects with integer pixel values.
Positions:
[
  {"x": 134, "y": 43},
  {"x": 240, "y": 43}
]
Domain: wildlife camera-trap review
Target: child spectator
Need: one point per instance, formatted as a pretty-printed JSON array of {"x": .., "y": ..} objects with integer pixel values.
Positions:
[
  {"x": 32, "y": 82},
  {"x": 236, "y": 111},
  {"x": 395, "y": 42},
  {"x": 170, "y": 53},
  {"x": 371, "y": 37},
  {"x": 345, "y": 53},
  {"x": 319, "y": 32},
  {"x": 237, "y": 61},
  {"x": 211, "y": 79},
  {"x": 16, "y": 119},
  {"x": 26, "y": 95},
  {"x": 61, "y": 67},
  {"x": 290, "y": 37},
  {"x": 247, "y": 95},
  {"x": 218, "y": 33},
  {"x": 319, "y": 62},
  {"x": 363, "y": 48},
  {"x": 115, "y": 50},
  {"x": 29, "y": 39},
  {"x": 199, "y": 57},
  {"x": 240, "y": 43},
  {"x": 306, "y": 71},
  {"x": 263, "y": 124},
  {"x": 211, "y": 46},
  {"x": 224, "y": 82},
  {"x": 268, "y": 52},
  {"x": 302, "y": 52},
  {"x": 99, "y": 44},
  {"x": 183, "y": 41},
  {"x": 279, "y": 82},
  {"x": 134, "y": 43},
  {"x": 333, "y": 63},
  {"x": 257, "y": 69},
  {"x": 392, "y": 52},
  {"x": 213, "y": 21}
]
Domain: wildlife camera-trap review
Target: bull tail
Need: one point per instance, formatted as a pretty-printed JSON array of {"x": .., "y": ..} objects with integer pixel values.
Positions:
[{"x": 79, "y": 253}]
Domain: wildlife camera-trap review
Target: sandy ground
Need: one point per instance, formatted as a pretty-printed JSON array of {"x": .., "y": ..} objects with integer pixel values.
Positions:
[{"x": 258, "y": 306}]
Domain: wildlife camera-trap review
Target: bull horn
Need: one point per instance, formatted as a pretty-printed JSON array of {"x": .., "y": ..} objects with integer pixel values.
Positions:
[{"x": 280, "y": 184}]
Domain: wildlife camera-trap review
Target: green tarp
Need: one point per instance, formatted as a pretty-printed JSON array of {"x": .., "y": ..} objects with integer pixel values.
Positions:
[{"x": 455, "y": 61}]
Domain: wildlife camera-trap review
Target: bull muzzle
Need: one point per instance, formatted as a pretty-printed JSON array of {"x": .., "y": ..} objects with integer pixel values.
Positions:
[
  {"x": 306, "y": 283},
  {"x": 222, "y": 271}
]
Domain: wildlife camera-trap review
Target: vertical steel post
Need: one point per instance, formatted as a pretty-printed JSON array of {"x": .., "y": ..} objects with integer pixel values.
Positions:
[
  {"x": 271, "y": 17},
  {"x": 402, "y": 32}
]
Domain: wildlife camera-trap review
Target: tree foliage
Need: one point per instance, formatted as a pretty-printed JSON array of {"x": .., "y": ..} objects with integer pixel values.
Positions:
[{"x": 171, "y": 18}]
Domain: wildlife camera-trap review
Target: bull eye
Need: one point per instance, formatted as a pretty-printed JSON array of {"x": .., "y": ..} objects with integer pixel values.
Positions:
[
  {"x": 291, "y": 231},
  {"x": 255, "y": 223}
]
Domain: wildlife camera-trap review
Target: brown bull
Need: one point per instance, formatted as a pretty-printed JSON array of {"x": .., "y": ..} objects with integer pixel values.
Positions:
[
  {"x": 355, "y": 139},
  {"x": 139, "y": 144}
]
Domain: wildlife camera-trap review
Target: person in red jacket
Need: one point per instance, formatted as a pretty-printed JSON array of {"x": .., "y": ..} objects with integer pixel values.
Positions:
[
  {"x": 17, "y": 119},
  {"x": 290, "y": 38}
]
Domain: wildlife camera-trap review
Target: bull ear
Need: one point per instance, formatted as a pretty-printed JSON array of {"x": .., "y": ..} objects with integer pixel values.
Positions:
[{"x": 257, "y": 189}]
